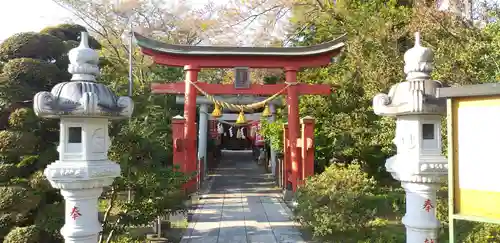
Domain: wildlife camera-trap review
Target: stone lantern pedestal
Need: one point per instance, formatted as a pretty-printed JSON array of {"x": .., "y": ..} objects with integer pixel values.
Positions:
[
  {"x": 83, "y": 169},
  {"x": 418, "y": 164}
]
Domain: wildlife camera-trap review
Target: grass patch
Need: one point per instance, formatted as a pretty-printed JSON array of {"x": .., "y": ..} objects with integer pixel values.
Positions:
[{"x": 177, "y": 229}]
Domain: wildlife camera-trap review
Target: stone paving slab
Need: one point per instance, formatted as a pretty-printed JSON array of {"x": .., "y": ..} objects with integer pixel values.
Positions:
[{"x": 242, "y": 205}]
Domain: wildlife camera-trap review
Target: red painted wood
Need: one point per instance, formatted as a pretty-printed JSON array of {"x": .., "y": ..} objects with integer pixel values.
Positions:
[
  {"x": 177, "y": 139},
  {"x": 286, "y": 158},
  {"x": 258, "y": 140},
  {"x": 293, "y": 124},
  {"x": 190, "y": 125},
  {"x": 213, "y": 129},
  {"x": 307, "y": 147},
  {"x": 228, "y": 89},
  {"x": 205, "y": 61}
]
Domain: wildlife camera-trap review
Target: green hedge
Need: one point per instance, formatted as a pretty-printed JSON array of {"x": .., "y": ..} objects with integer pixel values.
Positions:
[{"x": 343, "y": 204}]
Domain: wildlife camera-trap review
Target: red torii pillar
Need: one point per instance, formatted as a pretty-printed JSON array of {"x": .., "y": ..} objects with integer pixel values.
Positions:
[
  {"x": 190, "y": 125},
  {"x": 293, "y": 123}
]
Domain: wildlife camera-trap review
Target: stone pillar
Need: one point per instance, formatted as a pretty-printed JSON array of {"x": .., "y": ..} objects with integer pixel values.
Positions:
[
  {"x": 202, "y": 136},
  {"x": 418, "y": 163},
  {"x": 83, "y": 169},
  {"x": 81, "y": 223}
]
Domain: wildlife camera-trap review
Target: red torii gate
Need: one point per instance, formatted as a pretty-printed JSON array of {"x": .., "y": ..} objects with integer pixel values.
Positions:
[{"x": 193, "y": 58}]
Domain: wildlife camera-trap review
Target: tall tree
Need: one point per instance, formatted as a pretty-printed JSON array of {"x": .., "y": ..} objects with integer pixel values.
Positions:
[{"x": 379, "y": 32}]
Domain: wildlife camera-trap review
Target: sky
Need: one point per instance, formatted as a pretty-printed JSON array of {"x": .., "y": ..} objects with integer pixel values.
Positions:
[
  {"x": 33, "y": 15},
  {"x": 29, "y": 15}
]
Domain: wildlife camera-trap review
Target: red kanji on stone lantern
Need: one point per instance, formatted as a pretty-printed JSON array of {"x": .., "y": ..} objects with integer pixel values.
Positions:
[
  {"x": 428, "y": 205},
  {"x": 75, "y": 213},
  {"x": 429, "y": 241}
]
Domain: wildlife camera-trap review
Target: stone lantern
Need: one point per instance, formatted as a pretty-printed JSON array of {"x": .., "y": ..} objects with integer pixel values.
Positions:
[
  {"x": 83, "y": 169},
  {"x": 418, "y": 163}
]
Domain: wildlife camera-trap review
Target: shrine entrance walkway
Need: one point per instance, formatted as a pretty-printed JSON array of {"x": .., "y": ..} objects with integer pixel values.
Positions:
[{"x": 242, "y": 205}]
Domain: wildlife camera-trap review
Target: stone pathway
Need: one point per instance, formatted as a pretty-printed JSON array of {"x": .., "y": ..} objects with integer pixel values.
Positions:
[{"x": 242, "y": 206}]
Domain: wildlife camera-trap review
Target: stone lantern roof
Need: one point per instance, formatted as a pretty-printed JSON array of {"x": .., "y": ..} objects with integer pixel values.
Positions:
[
  {"x": 416, "y": 95},
  {"x": 82, "y": 96}
]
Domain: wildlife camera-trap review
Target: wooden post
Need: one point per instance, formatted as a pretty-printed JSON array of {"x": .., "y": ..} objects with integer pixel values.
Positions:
[
  {"x": 307, "y": 147},
  {"x": 200, "y": 176},
  {"x": 293, "y": 123},
  {"x": 178, "y": 123},
  {"x": 286, "y": 159},
  {"x": 190, "y": 125}
]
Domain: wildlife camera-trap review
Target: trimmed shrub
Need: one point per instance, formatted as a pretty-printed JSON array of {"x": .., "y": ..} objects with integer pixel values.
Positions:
[
  {"x": 336, "y": 202},
  {"x": 29, "y": 234},
  {"x": 17, "y": 142},
  {"x": 23, "y": 119},
  {"x": 6, "y": 223},
  {"x": 39, "y": 182},
  {"x": 7, "y": 172},
  {"x": 25, "y": 77},
  {"x": 31, "y": 45},
  {"x": 18, "y": 199},
  {"x": 50, "y": 218}
]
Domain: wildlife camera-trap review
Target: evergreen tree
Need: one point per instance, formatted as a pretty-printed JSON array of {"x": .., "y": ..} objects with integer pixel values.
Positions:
[{"x": 31, "y": 62}]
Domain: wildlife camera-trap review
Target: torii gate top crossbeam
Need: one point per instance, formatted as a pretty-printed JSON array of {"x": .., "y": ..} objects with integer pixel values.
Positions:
[{"x": 229, "y": 57}]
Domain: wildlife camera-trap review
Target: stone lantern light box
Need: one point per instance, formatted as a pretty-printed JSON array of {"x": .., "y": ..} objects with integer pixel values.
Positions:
[{"x": 84, "y": 139}]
